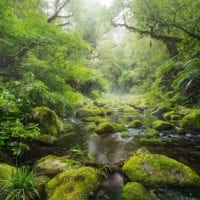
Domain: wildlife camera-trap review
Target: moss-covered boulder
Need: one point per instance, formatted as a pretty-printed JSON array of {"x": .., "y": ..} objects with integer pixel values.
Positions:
[
  {"x": 135, "y": 124},
  {"x": 106, "y": 127},
  {"x": 127, "y": 109},
  {"x": 49, "y": 122},
  {"x": 103, "y": 128},
  {"x": 136, "y": 191},
  {"x": 191, "y": 121},
  {"x": 171, "y": 116},
  {"x": 162, "y": 125},
  {"x": 90, "y": 119},
  {"x": 6, "y": 170},
  {"x": 90, "y": 127},
  {"x": 74, "y": 184},
  {"x": 68, "y": 127},
  {"x": 52, "y": 165},
  {"x": 159, "y": 170},
  {"x": 48, "y": 140},
  {"x": 150, "y": 133},
  {"x": 89, "y": 111}
]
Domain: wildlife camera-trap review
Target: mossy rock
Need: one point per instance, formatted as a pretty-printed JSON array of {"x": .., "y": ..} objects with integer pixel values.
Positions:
[
  {"x": 89, "y": 111},
  {"x": 6, "y": 170},
  {"x": 90, "y": 127},
  {"x": 159, "y": 170},
  {"x": 106, "y": 127},
  {"x": 73, "y": 184},
  {"x": 52, "y": 165},
  {"x": 48, "y": 121},
  {"x": 160, "y": 111},
  {"x": 162, "y": 125},
  {"x": 101, "y": 120},
  {"x": 191, "y": 121},
  {"x": 103, "y": 128},
  {"x": 127, "y": 109},
  {"x": 48, "y": 140},
  {"x": 68, "y": 127},
  {"x": 135, "y": 124},
  {"x": 171, "y": 116},
  {"x": 90, "y": 119},
  {"x": 125, "y": 134},
  {"x": 136, "y": 191},
  {"x": 151, "y": 133}
]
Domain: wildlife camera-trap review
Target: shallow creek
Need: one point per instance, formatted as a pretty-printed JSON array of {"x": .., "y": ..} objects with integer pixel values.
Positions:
[{"x": 113, "y": 148}]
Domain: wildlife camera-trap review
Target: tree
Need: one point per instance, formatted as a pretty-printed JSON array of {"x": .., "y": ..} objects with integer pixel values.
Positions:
[{"x": 168, "y": 21}]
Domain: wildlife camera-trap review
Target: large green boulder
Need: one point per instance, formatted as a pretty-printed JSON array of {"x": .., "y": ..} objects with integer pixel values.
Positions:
[
  {"x": 135, "y": 124},
  {"x": 136, "y": 191},
  {"x": 52, "y": 165},
  {"x": 49, "y": 122},
  {"x": 159, "y": 170},
  {"x": 107, "y": 127},
  {"x": 89, "y": 111},
  {"x": 162, "y": 125},
  {"x": 48, "y": 140},
  {"x": 74, "y": 184},
  {"x": 191, "y": 121},
  {"x": 6, "y": 170}
]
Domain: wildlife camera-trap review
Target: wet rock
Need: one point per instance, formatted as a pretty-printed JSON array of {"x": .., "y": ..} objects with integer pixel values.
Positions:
[
  {"x": 89, "y": 111},
  {"x": 72, "y": 184},
  {"x": 136, "y": 191},
  {"x": 159, "y": 170}
]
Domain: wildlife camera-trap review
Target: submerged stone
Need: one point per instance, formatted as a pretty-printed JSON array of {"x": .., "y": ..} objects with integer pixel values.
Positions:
[
  {"x": 136, "y": 191},
  {"x": 74, "y": 184},
  {"x": 159, "y": 170}
]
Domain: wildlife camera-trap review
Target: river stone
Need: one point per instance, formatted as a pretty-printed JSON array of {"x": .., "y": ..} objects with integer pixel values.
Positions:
[
  {"x": 136, "y": 191},
  {"x": 72, "y": 184},
  {"x": 135, "y": 124},
  {"x": 159, "y": 170},
  {"x": 52, "y": 165}
]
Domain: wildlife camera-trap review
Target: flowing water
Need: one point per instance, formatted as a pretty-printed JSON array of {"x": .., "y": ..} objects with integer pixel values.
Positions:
[{"x": 113, "y": 148}]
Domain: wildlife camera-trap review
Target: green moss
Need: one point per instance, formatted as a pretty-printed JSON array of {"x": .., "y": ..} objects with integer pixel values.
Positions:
[
  {"x": 135, "y": 124},
  {"x": 48, "y": 121},
  {"x": 171, "y": 116},
  {"x": 6, "y": 170},
  {"x": 90, "y": 119},
  {"x": 89, "y": 111},
  {"x": 101, "y": 120},
  {"x": 52, "y": 165},
  {"x": 47, "y": 139},
  {"x": 151, "y": 133},
  {"x": 136, "y": 191},
  {"x": 127, "y": 109},
  {"x": 159, "y": 170},
  {"x": 162, "y": 125},
  {"x": 90, "y": 127},
  {"x": 191, "y": 121},
  {"x": 72, "y": 184},
  {"x": 68, "y": 127},
  {"x": 125, "y": 134},
  {"x": 106, "y": 128}
]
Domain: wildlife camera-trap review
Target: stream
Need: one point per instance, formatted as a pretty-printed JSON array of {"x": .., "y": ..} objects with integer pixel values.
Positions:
[{"x": 113, "y": 148}]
